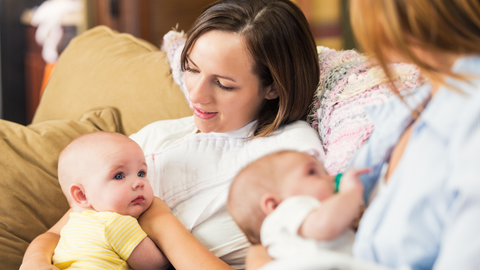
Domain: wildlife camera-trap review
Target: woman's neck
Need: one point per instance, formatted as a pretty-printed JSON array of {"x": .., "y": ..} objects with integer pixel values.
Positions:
[{"x": 444, "y": 64}]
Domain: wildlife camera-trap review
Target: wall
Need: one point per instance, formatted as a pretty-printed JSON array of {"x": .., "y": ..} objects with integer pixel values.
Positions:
[{"x": 329, "y": 22}]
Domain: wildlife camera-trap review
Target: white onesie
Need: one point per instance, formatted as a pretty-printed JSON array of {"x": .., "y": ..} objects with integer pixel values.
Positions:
[{"x": 279, "y": 231}]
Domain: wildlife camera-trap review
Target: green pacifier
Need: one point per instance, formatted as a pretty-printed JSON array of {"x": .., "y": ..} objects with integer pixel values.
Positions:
[{"x": 337, "y": 181}]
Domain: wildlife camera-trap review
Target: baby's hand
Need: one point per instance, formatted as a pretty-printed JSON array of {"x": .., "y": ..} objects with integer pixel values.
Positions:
[{"x": 351, "y": 181}]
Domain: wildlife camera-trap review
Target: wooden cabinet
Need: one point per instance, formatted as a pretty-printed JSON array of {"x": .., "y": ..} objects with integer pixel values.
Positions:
[
  {"x": 34, "y": 69},
  {"x": 12, "y": 59}
]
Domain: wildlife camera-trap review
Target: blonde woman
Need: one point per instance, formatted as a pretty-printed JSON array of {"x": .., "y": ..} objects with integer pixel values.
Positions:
[
  {"x": 426, "y": 146},
  {"x": 425, "y": 149}
]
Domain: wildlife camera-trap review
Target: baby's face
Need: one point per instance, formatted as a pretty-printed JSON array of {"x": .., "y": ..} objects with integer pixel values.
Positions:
[
  {"x": 302, "y": 174},
  {"x": 118, "y": 179}
]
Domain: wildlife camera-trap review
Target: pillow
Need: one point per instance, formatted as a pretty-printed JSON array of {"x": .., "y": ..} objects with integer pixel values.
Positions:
[
  {"x": 31, "y": 200},
  {"x": 103, "y": 68},
  {"x": 347, "y": 84}
]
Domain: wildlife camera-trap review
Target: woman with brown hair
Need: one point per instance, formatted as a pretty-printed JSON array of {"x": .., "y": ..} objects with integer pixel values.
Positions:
[{"x": 251, "y": 70}]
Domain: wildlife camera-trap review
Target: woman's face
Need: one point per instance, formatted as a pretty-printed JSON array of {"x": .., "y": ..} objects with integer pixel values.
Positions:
[{"x": 224, "y": 92}]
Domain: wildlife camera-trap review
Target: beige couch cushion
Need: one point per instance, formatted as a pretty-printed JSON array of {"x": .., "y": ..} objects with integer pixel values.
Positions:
[
  {"x": 31, "y": 200},
  {"x": 104, "y": 68}
]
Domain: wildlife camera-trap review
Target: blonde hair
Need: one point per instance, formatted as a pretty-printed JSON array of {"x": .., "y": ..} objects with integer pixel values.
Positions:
[{"x": 440, "y": 26}]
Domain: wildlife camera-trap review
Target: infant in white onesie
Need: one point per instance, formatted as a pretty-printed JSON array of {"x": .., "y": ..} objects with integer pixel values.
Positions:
[{"x": 287, "y": 202}]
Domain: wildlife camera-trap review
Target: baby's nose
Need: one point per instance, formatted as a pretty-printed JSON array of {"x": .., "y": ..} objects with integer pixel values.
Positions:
[{"x": 138, "y": 184}]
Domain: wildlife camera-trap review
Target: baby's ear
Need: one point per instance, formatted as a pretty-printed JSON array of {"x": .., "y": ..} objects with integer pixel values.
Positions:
[
  {"x": 268, "y": 203},
  {"x": 77, "y": 193}
]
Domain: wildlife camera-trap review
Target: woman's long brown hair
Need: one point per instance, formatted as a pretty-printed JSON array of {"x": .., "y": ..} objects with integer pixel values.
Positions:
[{"x": 283, "y": 50}]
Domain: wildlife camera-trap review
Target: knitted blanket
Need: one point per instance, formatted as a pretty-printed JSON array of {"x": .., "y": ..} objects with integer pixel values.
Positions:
[{"x": 348, "y": 83}]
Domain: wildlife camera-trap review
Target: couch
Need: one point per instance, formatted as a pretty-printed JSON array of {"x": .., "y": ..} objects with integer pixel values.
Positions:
[{"x": 110, "y": 81}]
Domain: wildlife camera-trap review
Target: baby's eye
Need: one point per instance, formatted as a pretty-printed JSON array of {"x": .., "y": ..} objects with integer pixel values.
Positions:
[
  {"x": 311, "y": 172},
  {"x": 141, "y": 174},
  {"x": 118, "y": 176}
]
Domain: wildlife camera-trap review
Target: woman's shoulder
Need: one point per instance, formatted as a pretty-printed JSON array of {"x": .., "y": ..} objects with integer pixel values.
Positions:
[
  {"x": 463, "y": 148},
  {"x": 467, "y": 126},
  {"x": 157, "y": 135},
  {"x": 298, "y": 135},
  {"x": 297, "y": 128}
]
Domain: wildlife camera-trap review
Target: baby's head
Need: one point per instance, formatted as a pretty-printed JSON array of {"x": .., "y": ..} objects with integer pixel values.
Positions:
[
  {"x": 105, "y": 171},
  {"x": 263, "y": 184}
]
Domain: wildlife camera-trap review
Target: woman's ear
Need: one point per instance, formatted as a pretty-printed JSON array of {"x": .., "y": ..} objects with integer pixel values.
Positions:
[
  {"x": 268, "y": 203},
  {"x": 271, "y": 92},
  {"x": 78, "y": 195}
]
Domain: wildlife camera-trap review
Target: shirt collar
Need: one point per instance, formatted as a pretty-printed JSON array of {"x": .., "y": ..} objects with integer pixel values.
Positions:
[
  {"x": 392, "y": 117},
  {"x": 467, "y": 64},
  {"x": 441, "y": 111},
  {"x": 441, "y": 114},
  {"x": 243, "y": 132}
]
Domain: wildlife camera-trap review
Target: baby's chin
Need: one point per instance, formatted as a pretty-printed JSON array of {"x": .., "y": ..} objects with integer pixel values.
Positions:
[{"x": 136, "y": 210}]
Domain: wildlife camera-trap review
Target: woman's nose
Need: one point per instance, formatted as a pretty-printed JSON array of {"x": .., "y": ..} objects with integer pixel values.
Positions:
[{"x": 200, "y": 92}]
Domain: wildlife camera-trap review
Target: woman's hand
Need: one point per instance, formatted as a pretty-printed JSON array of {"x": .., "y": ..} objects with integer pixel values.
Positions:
[
  {"x": 157, "y": 210},
  {"x": 37, "y": 261},
  {"x": 257, "y": 257},
  {"x": 39, "y": 253}
]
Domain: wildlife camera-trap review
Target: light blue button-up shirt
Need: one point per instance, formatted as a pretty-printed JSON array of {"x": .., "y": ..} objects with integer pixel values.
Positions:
[{"x": 428, "y": 214}]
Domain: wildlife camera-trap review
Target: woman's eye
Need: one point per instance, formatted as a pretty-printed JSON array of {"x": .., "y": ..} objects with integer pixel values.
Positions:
[
  {"x": 223, "y": 86},
  {"x": 141, "y": 174},
  {"x": 191, "y": 70},
  {"x": 118, "y": 176}
]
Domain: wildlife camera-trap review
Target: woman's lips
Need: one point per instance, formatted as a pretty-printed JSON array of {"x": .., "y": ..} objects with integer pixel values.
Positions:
[
  {"x": 203, "y": 114},
  {"x": 139, "y": 199}
]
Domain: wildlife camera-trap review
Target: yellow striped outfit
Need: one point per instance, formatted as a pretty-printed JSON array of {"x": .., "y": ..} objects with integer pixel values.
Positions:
[{"x": 97, "y": 240}]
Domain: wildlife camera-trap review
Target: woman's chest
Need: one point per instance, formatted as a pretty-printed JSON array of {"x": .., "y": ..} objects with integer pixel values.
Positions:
[{"x": 404, "y": 223}]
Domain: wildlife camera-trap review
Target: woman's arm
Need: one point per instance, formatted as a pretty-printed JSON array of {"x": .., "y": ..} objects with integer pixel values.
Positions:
[
  {"x": 181, "y": 248},
  {"x": 40, "y": 251},
  {"x": 146, "y": 255},
  {"x": 257, "y": 257}
]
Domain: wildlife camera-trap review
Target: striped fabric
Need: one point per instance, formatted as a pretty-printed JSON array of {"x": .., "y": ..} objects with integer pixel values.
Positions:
[{"x": 97, "y": 240}]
